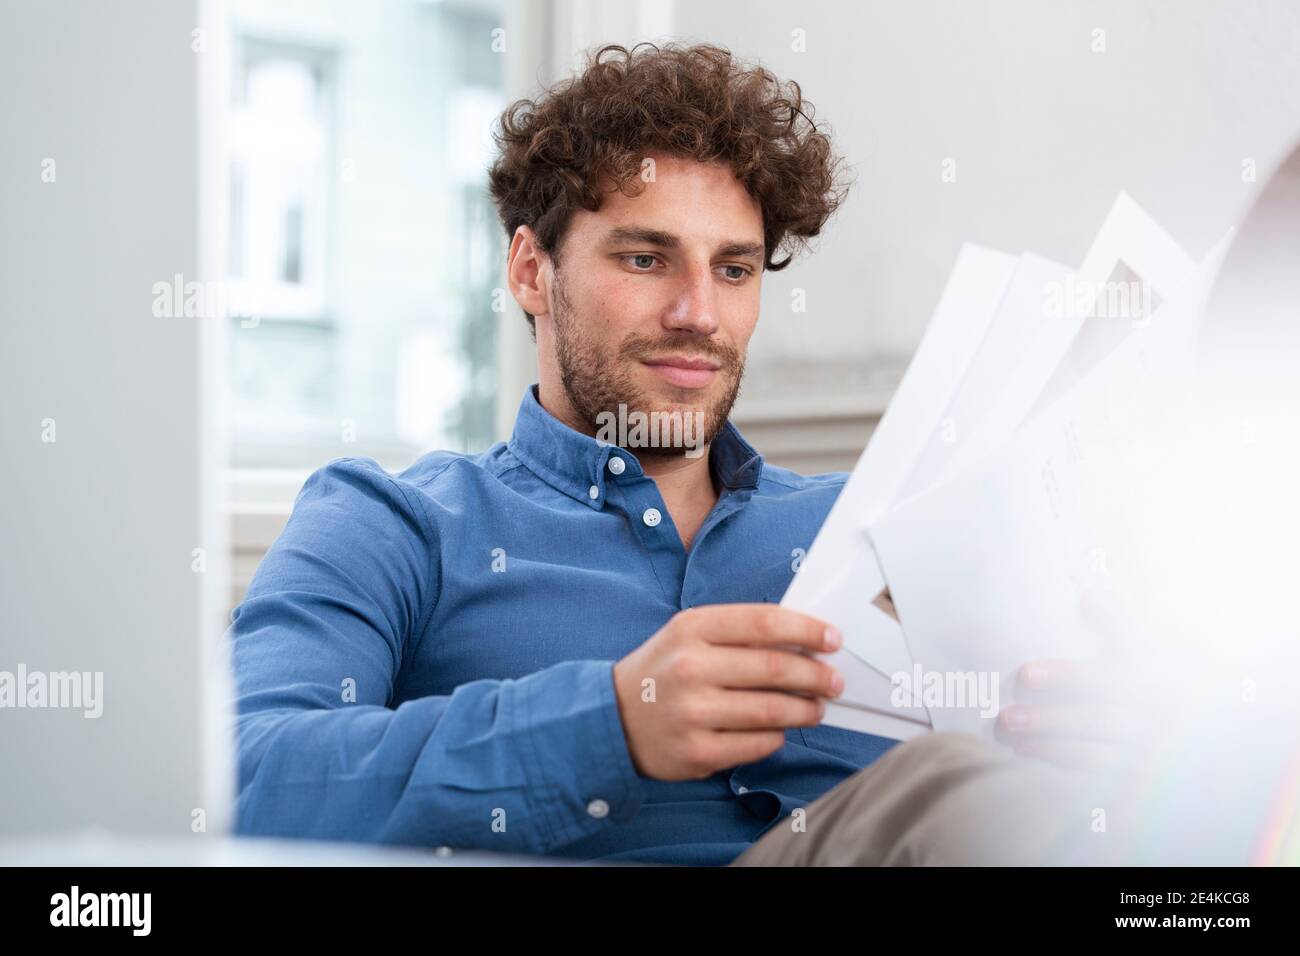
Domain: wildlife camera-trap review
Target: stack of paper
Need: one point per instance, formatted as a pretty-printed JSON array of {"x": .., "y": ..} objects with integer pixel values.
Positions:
[{"x": 997, "y": 490}]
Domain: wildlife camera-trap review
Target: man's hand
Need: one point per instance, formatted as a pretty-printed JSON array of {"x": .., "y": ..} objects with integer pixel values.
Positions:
[
  {"x": 1056, "y": 715},
  {"x": 1072, "y": 713},
  {"x": 717, "y": 685},
  {"x": 1082, "y": 714}
]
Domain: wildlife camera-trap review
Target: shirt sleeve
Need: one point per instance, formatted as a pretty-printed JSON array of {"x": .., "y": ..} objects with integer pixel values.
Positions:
[{"x": 519, "y": 766}]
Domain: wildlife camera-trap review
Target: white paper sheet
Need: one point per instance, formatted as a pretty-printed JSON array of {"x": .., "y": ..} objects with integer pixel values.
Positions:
[
  {"x": 977, "y": 522},
  {"x": 839, "y": 577},
  {"x": 990, "y": 569}
]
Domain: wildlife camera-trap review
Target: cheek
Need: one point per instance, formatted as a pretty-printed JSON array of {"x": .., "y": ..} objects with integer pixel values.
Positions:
[
  {"x": 741, "y": 321},
  {"x": 629, "y": 309},
  {"x": 608, "y": 295}
]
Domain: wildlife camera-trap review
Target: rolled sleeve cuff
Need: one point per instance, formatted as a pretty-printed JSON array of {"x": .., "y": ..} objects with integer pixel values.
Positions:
[{"x": 568, "y": 717}]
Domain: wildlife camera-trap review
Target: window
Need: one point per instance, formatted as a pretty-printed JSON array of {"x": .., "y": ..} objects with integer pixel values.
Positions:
[
  {"x": 280, "y": 161},
  {"x": 363, "y": 247}
]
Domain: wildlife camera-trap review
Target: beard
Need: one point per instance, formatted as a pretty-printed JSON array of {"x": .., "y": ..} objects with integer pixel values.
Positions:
[{"x": 597, "y": 379}]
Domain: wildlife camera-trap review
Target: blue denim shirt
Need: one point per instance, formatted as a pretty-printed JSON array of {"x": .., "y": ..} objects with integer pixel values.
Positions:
[{"x": 426, "y": 658}]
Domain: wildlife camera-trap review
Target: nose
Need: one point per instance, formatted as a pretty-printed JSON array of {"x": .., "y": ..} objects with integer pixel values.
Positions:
[{"x": 695, "y": 306}]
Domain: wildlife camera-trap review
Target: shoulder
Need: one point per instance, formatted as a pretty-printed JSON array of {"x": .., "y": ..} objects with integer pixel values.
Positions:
[
  {"x": 433, "y": 472},
  {"x": 782, "y": 481},
  {"x": 796, "y": 501}
]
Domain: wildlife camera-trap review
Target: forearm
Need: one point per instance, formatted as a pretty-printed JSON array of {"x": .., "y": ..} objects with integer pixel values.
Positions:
[{"x": 522, "y": 765}]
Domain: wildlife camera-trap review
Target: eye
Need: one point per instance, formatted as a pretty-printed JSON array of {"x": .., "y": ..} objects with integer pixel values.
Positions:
[
  {"x": 744, "y": 273},
  {"x": 634, "y": 257}
]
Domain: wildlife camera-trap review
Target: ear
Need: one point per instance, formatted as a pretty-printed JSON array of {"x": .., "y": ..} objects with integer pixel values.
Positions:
[{"x": 529, "y": 273}]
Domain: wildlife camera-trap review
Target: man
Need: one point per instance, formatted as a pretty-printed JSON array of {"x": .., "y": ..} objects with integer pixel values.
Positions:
[{"x": 568, "y": 645}]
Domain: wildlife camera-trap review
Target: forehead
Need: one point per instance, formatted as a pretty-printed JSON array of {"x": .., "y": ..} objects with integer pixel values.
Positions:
[{"x": 686, "y": 197}]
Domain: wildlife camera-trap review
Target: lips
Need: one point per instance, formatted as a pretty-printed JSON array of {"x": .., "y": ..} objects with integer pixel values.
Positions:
[{"x": 684, "y": 372}]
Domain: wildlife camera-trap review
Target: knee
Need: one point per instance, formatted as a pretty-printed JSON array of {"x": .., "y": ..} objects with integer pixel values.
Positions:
[{"x": 949, "y": 743}]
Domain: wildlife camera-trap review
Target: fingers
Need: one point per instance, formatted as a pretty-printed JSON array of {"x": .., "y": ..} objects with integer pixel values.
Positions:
[
  {"x": 768, "y": 624},
  {"x": 731, "y": 748},
  {"x": 1056, "y": 674},
  {"x": 755, "y": 710},
  {"x": 772, "y": 669},
  {"x": 1063, "y": 721},
  {"x": 1053, "y": 680}
]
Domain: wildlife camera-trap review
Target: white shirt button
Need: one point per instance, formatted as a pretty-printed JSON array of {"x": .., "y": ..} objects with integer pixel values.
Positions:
[
  {"x": 651, "y": 517},
  {"x": 742, "y": 790},
  {"x": 593, "y": 492},
  {"x": 616, "y": 465},
  {"x": 598, "y": 809}
]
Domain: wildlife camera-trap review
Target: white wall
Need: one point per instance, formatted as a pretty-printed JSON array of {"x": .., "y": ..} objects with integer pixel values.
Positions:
[
  {"x": 1043, "y": 130},
  {"x": 99, "y": 525}
]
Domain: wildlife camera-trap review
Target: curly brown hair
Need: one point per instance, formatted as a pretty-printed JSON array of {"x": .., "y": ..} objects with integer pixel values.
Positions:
[{"x": 697, "y": 102}]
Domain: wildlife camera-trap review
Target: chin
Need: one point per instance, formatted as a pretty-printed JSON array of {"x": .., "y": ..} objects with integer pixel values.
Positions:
[{"x": 681, "y": 402}]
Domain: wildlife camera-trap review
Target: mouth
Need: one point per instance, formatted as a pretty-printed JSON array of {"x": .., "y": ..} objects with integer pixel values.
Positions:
[{"x": 684, "y": 372}]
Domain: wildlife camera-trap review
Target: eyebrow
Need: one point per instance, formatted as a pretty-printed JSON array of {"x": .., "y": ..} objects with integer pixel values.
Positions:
[{"x": 666, "y": 240}]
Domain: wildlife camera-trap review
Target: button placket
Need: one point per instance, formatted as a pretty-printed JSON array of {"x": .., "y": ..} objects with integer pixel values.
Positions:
[
  {"x": 731, "y": 501},
  {"x": 636, "y": 496}
]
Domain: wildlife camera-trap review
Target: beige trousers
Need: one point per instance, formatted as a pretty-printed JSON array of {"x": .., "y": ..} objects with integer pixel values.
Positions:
[{"x": 946, "y": 799}]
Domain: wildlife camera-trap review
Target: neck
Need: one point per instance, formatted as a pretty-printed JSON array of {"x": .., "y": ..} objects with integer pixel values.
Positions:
[{"x": 686, "y": 484}]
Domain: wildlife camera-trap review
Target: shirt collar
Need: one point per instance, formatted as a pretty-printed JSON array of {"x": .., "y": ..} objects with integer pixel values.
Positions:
[{"x": 577, "y": 464}]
